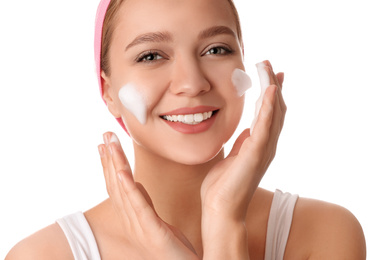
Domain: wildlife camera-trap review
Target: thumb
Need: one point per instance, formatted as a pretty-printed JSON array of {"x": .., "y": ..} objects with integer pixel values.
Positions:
[
  {"x": 237, "y": 145},
  {"x": 142, "y": 189}
]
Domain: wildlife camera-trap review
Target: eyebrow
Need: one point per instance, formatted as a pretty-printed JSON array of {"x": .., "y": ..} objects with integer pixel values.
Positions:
[
  {"x": 215, "y": 31},
  {"x": 167, "y": 37},
  {"x": 150, "y": 37}
]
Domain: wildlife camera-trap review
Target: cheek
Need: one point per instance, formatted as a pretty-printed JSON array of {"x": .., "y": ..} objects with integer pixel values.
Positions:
[
  {"x": 134, "y": 101},
  {"x": 241, "y": 81},
  {"x": 139, "y": 97},
  {"x": 229, "y": 79}
]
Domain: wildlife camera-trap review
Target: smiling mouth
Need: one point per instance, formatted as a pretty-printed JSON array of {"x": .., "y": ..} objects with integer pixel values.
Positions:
[{"x": 190, "y": 119}]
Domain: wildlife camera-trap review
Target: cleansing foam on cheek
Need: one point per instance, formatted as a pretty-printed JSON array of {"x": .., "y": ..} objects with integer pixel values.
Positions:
[
  {"x": 264, "y": 84},
  {"x": 133, "y": 101},
  {"x": 241, "y": 81}
]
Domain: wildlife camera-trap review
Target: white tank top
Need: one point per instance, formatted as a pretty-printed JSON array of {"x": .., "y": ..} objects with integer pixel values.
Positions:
[
  {"x": 83, "y": 244},
  {"x": 279, "y": 223},
  {"x": 79, "y": 236}
]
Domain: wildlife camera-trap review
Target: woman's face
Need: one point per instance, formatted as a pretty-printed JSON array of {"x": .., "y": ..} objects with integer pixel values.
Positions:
[{"x": 180, "y": 56}]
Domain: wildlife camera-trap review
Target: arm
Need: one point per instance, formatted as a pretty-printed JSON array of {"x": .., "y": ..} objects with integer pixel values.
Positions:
[
  {"x": 341, "y": 236},
  {"x": 48, "y": 243},
  {"x": 328, "y": 231},
  {"x": 224, "y": 239}
]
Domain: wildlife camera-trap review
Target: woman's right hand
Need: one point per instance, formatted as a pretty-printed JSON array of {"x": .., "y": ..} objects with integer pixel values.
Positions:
[{"x": 146, "y": 231}]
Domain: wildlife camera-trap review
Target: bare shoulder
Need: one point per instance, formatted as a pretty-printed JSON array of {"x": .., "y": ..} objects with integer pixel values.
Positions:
[
  {"x": 326, "y": 230},
  {"x": 48, "y": 243}
]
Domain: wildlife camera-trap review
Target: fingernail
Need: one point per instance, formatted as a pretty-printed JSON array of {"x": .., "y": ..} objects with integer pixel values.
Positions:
[{"x": 114, "y": 139}]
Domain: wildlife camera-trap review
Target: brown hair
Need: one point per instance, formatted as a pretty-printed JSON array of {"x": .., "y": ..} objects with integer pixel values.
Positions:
[{"x": 108, "y": 30}]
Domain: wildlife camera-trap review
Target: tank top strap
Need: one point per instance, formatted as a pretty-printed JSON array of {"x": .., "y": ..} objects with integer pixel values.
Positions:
[
  {"x": 80, "y": 237},
  {"x": 279, "y": 224}
]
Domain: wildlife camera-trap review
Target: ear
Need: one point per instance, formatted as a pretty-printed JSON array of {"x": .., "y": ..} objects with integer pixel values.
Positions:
[{"x": 108, "y": 95}]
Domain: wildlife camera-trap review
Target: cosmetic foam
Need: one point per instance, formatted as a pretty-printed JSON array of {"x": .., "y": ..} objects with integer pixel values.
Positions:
[
  {"x": 241, "y": 81},
  {"x": 133, "y": 101},
  {"x": 264, "y": 84}
]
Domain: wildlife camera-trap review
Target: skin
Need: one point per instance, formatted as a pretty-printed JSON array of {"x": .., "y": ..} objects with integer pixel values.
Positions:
[{"x": 172, "y": 204}]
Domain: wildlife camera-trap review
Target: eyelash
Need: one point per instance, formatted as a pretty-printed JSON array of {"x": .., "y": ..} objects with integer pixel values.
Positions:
[
  {"x": 222, "y": 49},
  {"x": 143, "y": 56}
]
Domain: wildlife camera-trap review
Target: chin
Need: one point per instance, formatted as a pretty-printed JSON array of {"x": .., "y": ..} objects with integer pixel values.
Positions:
[
  {"x": 193, "y": 158},
  {"x": 190, "y": 154}
]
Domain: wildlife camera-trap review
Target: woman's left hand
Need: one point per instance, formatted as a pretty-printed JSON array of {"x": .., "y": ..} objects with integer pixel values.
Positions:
[{"x": 229, "y": 187}]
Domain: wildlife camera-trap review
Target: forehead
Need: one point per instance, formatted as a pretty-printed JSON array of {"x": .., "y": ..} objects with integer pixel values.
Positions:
[{"x": 141, "y": 16}]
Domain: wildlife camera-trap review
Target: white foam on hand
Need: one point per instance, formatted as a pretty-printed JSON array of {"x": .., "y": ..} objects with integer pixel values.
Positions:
[{"x": 264, "y": 84}]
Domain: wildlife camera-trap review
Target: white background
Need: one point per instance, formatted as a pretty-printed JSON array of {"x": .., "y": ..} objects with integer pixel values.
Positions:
[{"x": 335, "y": 145}]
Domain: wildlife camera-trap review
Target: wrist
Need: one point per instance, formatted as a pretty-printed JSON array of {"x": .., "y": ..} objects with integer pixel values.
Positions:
[
  {"x": 224, "y": 239},
  {"x": 231, "y": 216}
]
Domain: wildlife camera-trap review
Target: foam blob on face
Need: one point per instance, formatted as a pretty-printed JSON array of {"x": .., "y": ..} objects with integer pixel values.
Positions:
[
  {"x": 241, "y": 81},
  {"x": 133, "y": 101},
  {"x": 264, "y": 84}
]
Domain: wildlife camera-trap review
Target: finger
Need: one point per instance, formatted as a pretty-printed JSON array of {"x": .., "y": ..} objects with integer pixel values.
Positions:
[
  {"x": 145, "y": 215},
  {"x": 276, "y": 127},
  {"x": 282, "y": 106},
  {"x": 277, "y": 123},
  {"x": 280, "y": 77},
  {"x": 110, "y": 165},
  {"x": 264, "y": 121},
  {"x": 126, "y": 210},
  {"x": 119, "y": 158},
  {"x": 277, "y": 79},
  {"x": 270, "y": 74},
  {"x": 107, "y": 168},
  {"x": 103, "y": 160},
  {"x": 111, "y": 175},
  {"x": 238, "y": 143},
  {"x": 273, "y": 78},
  {"x": 145, "y": 194},
  {"x": 120, "y": 163},
  {"x": 264, "y": 84},
  {"x": 112, "y": 184},
  {"x": 137, "y": 204}
]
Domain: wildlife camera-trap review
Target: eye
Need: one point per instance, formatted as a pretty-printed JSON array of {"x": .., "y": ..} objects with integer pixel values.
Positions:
[
  {"x": 149, "y": 56},
  {"x": 218, "y": 51}
]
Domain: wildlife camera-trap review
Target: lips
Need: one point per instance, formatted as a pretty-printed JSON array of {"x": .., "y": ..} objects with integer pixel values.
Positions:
[{"x": 191, "y": 120}]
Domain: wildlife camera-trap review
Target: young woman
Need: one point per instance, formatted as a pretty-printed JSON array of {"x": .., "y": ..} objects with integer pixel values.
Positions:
[{"x": 165, "y": 72}]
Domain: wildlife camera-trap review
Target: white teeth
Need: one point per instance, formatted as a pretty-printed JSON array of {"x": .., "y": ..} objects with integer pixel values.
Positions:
[
  {"x": 198, "y": 117},
  {"x": 190, "y": 119}
]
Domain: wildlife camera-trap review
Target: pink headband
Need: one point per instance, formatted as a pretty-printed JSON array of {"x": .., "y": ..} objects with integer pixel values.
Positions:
[{"x": 100, "y": 15}]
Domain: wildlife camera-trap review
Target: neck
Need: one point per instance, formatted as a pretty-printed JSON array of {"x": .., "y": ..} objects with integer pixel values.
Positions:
[{"x": 173, "y": 187}]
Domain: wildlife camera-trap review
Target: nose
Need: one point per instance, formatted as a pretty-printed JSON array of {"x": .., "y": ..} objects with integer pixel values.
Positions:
[{"x": 188, "y": 78}]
